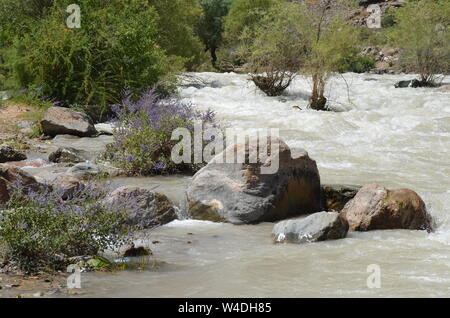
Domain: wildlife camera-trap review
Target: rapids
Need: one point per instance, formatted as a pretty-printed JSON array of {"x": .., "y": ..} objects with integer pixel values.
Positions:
[{"x": 395, "y": 137}]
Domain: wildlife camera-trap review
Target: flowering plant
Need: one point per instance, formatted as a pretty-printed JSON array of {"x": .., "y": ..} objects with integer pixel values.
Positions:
[{"x": 144, "y": 129}]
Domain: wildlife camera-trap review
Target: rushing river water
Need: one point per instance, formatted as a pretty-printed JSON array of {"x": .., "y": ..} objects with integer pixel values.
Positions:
[{"x": 395, "y": 137}]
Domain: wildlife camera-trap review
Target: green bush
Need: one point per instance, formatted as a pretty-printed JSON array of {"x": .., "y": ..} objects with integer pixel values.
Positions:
[
  {"x": 244, "y": 16},
  {"x": 177, "y": 22},
  {"x": 211, "y": 26},
  {"x": 143, "y": 132},
  {"x": 355, "y": 63},
  {"x": 115, "y": 48},
  {"x": 41, "y": 231},
  {"x": 422, "y": 31}
]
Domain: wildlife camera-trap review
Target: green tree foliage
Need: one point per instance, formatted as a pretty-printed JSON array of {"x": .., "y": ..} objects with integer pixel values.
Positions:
[
  {"x": 211, "y": 27},
  {"x": 177, "y": 22},
  {"x": 244, "y": 16},
  {"x": 115, "y": 49},
  {"x": 422, "y": 31},
  {"x": 311, "y": 37},
  {"x": 279, "y": 49}
]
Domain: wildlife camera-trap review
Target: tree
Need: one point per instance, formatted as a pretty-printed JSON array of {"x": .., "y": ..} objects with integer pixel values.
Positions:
[
  {"x": 210, "y": 28},
  {"x": 177, "y": 21},
  {"x": 311, "y": 37},
  {"x": 245, "y": 15},
  {"x": 422, "y": 31},
  {"x": 279, "y": 49},
  {"x": 115, "y": 49}
]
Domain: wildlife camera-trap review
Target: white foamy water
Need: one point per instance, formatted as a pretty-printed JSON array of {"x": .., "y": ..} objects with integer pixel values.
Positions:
[{"x": 395, "y": 137}]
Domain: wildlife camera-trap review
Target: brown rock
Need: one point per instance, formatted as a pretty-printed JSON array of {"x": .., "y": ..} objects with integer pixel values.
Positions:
[
  {"x": 4, "y": 195},
  {"x": 335, "y": 197},
  {"x": 61, "y": 121},
  {"x": 377, "y": 208},
  {"x": 8, "y": 153},
  {"x": 11, "y": 177},
  {"x": 68, "y": 185}
]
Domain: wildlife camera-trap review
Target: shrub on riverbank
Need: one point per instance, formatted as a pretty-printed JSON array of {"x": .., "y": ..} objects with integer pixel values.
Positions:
[
  {"x": 115, "y": 48},
  {"x": 422, "y": 30},
  {"x": 41, "y": 231},
  {"x": 143, "y": 133}
]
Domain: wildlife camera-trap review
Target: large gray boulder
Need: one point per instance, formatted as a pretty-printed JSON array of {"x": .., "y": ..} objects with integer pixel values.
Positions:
[
  {"x": 8, "y": 153},
  {"x": 61, "y": 121},
  {"x": 376, "y": 208},
  {"x": 240, "y": 193},
  {"x": 146, "y": 209},
  {"x": 320, "y": 226}
]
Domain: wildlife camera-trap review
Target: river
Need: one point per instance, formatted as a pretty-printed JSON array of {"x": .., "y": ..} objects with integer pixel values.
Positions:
[{"x": 380, "y": 134}]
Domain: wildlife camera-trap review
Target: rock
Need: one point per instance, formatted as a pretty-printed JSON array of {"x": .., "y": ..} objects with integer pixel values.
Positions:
[
  {"x": 66, "y": 155},
  {"x": 413, "y": 83},
  {"x": 89, "y": 147},
  {"x": 68, "y": 185},
  {"x": 335, "y": 197},
  {"x": 11, "y": 177},
  {"x": 60, "y": 121},
  {"x": 105, "y": 129},
  {"x": 240, "y": 193},
  {"x": 4, "y": 194},
  {"x": 376, "y": 208},
  {"x": 137, "y": 251},
  {"x": 146, "y": 209},
  {"x": 8, "y": 153},
  {"x": 320, "y": 226},
  {"x": 84, "y": 170},
  {"x": 403, "y": 84}
]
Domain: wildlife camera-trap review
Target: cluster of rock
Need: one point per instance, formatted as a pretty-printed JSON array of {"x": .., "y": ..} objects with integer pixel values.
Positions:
[
  {"x": 239, "y": 193},
  {"x": 148, "y": 209}
]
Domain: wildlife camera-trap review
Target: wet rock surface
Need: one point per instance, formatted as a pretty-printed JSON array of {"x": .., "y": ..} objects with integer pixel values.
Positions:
[
  {"x": 241, "y": 193},
  {"x": 376, "y": 208},
  {"x": 67, "y": 155},
  {"x": 147, "y": 209},
  {"x": 336, "y": 196},
  {"x": 320, "y": 226}
]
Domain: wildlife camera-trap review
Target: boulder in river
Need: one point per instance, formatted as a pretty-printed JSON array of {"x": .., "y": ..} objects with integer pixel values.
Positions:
[
  {"x": 239, "y": 193},
  {"x": 320, "y": 226},
  {"x": 11, "y": 177},
  {"x": 336, "y": 196},
  {"x": 66, "y": 155},
  {"x": 61, "y": 121},
  {"x": 146, "y": 209},
  {"x": 376, "y": 208},
  {"x": 8, "y": 153}
]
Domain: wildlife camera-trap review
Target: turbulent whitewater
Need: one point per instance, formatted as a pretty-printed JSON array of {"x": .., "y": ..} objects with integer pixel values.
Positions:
[{"x": 379, "y": 134}]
